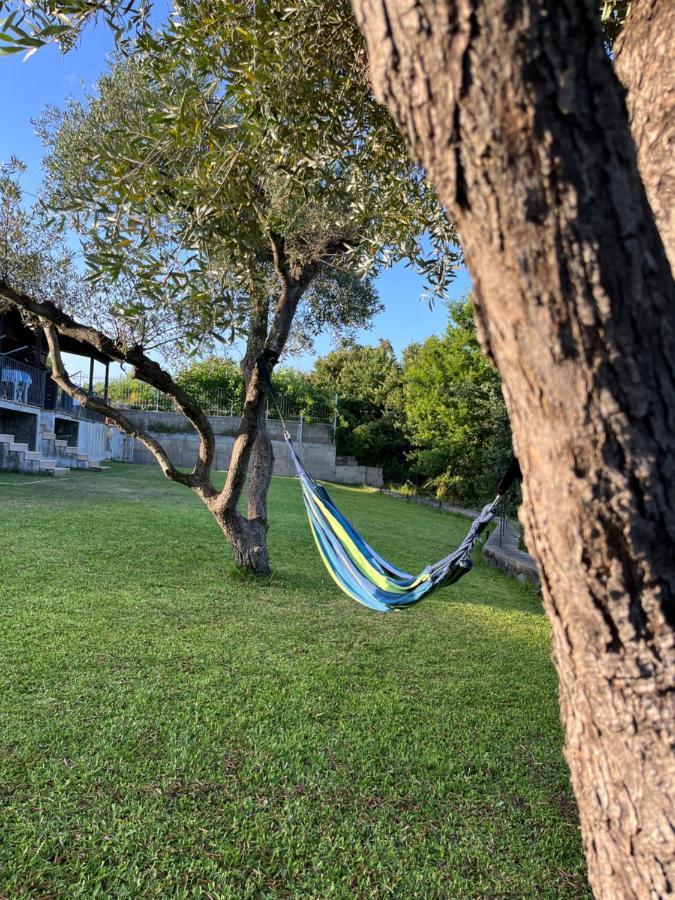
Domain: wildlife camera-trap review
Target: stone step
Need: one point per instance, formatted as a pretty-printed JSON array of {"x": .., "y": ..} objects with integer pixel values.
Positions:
[
  {"x": 49, "y": 435},
  {"x": 6, "y": 438},
  {"x": 61, "y": 444},
  {"x": 71, "y": 451},
  {"x": 83, "y": 457},
  {"x": 33, "y": 454},
  {"x": 19, "y": 448},
  {"x": 60, "y": 472},
  {"x": 48, "y": 464}
]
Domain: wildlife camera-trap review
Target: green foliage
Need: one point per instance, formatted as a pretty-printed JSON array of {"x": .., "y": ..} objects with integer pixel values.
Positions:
[
  {"x": 301, "y": 394},
  {"x": 211, "y": 377},
  {"x": 613, "y": 15},
  {"x": 228, "y": 126},
  {"x": 455, "y": 414},
  {"x": 195, "y": 736},
  {"x": 34, "y": 257},
  {"x": 130, "y": 392},
  {"x": 368, "y": 382},
  {"x": 217, "y": 380}
]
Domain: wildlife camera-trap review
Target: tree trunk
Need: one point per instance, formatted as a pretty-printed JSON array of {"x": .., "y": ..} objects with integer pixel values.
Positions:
[
  {"x": 260, "y": 474},
  {"x": 645, "y": 63},
  {"x": 248, "y": 540},
  {"x": 515, "y": 112}
]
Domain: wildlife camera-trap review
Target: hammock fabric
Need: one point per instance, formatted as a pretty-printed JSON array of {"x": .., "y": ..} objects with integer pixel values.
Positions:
[{"x": 361, "y": 572}]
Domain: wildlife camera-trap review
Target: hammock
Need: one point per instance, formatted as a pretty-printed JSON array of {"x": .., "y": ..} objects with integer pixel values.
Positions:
[
  {"x": 352, "y": 563},
  {"x": 361, "y": 572}
]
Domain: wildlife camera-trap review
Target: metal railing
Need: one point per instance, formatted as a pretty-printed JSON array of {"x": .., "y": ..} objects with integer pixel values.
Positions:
[
  {"x": 217, "y": 402},
  {"x": 20, "y": 382}
]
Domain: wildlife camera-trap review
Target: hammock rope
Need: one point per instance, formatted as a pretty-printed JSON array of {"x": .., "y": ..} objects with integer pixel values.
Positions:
[{"x": 356, "y": 568}]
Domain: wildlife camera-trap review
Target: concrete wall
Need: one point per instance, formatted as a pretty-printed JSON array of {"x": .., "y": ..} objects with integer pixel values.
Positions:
[
  {"x": 355, "y": 474},
  {"x": 314, "y": 444},
  {"x": 94, "y": 439},
  {"x": 182, "y": 451}
]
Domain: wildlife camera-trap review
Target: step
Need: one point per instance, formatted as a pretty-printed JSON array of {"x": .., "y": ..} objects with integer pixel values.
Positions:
[
  {"x": 48, "y": 464},
  {"x": 71, "y": 451},
  {"x": 6, "y": 438},
  {"x": 49, "y": 435},
  {"x": 60, "y": 472},
  {"x": 33, "y": 454},
  {"x": 59, "y": 443},
  {"x": 19, "y": 448}
]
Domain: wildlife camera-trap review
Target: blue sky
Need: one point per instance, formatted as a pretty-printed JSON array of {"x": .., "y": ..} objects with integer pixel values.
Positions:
[{"x": 50, "y": 78}]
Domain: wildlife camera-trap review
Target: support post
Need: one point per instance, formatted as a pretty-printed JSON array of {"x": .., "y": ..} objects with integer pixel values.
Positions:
[
  {"x": 91, "y": 375},
  {"x": 106, "y": 382}
]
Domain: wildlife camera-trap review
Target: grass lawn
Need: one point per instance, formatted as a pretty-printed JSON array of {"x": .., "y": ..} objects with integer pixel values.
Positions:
[{"x": 169, "y": 729}]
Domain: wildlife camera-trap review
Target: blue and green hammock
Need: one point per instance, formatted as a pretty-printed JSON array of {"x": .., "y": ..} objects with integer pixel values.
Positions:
[
  {"x": 352, "y": 563},
  {"x": 361, "y": 572}
]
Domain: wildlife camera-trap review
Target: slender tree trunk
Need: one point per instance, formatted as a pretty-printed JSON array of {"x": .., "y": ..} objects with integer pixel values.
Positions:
[
  {"x": 262, "y": 456},
  {"x": 248, "y": 535},
  {"x": 645, "y": 63},
  {"x": 515, "y": 112}
]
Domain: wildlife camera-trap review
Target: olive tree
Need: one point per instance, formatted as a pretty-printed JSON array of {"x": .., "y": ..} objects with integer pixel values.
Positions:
[{"x": 201, "y": 174}]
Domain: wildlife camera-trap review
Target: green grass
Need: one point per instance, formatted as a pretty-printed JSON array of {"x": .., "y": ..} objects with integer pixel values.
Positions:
[{"x": 167, "y": 730}]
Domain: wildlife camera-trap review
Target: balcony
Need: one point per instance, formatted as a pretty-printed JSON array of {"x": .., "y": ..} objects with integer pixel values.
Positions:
[{"x": 21, "y": 383}]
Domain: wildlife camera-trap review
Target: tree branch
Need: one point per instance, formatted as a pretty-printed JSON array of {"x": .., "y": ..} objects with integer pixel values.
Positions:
[
  {"x": 149, "y": 371},
  {"x": 279, "y": 258},
  {"x": 60, "y": 376}
]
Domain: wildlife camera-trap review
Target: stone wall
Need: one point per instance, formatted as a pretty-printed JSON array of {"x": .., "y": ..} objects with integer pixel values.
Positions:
[{"x": 502, "y": 551}]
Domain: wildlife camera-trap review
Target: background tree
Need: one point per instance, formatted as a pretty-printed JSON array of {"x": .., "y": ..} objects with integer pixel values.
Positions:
[
  {"x": 368, "y": 383},
  {"x": 516, "y": 114},
  {"x": 455, "y": 416}
]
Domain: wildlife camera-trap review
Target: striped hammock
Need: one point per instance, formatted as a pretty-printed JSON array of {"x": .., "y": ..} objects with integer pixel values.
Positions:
[{"x": 361, "y": 572}]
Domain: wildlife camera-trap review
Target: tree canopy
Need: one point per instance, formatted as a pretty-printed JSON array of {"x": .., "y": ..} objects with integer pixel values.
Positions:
[{"x": 454, "y": 412}]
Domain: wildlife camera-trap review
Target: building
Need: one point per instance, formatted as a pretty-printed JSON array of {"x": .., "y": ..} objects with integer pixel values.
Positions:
[{"x": 41, "y": 428}]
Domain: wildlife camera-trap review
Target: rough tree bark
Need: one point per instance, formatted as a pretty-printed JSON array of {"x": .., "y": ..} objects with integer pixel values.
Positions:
[
  {"x": 515, "y": 112},
  {"x": 645, "y": 63}
]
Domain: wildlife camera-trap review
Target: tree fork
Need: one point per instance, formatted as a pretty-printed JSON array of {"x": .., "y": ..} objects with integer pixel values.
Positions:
[{"x": 516, "y": 114}]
